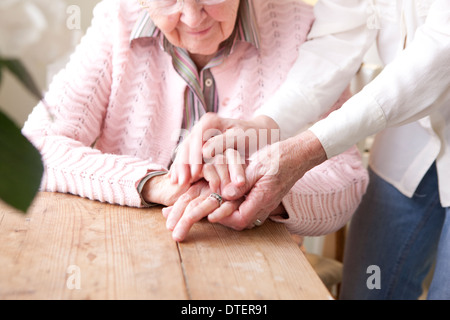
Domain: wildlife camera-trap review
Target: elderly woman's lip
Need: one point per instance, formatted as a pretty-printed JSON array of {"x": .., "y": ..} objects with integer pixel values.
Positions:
[{"x": 199, "y": 33}]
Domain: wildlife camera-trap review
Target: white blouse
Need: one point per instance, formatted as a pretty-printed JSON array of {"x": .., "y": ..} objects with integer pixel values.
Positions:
[{"x": 408, "y": 103}]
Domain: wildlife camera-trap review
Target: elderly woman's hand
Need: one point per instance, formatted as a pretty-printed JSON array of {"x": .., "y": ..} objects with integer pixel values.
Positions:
[
  {"x": 212, "y": 136},
  {"x": 188, "y": 164},
  {"x": 225, "y": 170},
  {"x": 200, "y": 201},
  {"x": 203, "y": 197},
  {"x": 194, "y": 205},
  {"x": 270, "y": 175},
  {"x": 160, "y": 190}
]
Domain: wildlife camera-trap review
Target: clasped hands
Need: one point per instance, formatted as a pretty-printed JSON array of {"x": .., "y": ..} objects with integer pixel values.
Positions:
[
  {"x": 214, "y": 160},
  {"x": 251, "y": 182}
]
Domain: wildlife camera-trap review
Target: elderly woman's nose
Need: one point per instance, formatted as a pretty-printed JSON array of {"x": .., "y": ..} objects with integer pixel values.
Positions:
[{"x": 192, "y": 14}]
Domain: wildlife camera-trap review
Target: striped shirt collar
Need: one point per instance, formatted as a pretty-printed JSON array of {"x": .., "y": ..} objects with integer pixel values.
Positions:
[{"x": 246, "y": 26}]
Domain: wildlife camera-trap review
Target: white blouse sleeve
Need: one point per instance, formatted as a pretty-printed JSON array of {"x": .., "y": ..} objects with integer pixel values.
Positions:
[
  {"x": 326, "y": 64},
  {"x": 412, "y": 86}
]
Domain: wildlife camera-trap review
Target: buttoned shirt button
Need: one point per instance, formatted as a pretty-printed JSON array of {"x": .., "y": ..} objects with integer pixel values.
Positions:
[{"x": 208, "y": 82}]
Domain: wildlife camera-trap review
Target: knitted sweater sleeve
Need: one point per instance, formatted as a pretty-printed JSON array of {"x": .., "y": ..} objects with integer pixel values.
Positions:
[
  {"x": 326, "y": 197},
  {"x": 66, "y": 127}
]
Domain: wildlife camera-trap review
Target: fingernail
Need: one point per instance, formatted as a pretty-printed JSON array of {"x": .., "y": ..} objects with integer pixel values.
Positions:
[
  {"x": 212, "y": 218},
  {"x": 170, "y": 224},
  {"x": 177, "y": 236},
  {"x": 229, "y": 192},
  {"x": 181, "y": 179}
]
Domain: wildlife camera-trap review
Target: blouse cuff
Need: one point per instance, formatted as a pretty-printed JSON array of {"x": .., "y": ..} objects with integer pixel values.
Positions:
[
  {"x": 359, "y": 117},
  {"x": 141, "y": 184}
]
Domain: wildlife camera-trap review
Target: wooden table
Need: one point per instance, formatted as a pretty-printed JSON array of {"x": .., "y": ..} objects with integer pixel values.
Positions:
[{"x": 67, "y": 247}]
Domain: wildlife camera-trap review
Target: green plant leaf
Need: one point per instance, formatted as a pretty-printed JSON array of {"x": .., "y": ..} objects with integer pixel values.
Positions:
[
  {"x": 1, "y": 70},
  {"x": 20, "y": 72},
  {"x": 21, "y": 166}
]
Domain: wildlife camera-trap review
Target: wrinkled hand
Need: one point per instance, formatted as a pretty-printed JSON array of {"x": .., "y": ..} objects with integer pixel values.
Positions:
[
  {"x": 160, "y": 190},
  {"x": 224, "y": 170},
  {"x": 270, "y": 175},
  {"x": 212, "y": 136},
  {"x": 192, "y": 207}
]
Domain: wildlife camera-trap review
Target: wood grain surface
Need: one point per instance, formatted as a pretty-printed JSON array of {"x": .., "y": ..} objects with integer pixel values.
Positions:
[{"x": 67, "y": 248}]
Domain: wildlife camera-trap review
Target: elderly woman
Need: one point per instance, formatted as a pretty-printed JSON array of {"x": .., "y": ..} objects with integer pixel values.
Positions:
[{"x": 145, "y": 73}]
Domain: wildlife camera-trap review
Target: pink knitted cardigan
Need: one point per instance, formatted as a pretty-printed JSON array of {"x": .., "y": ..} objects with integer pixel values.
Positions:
[{"x": 117, "y": 110}]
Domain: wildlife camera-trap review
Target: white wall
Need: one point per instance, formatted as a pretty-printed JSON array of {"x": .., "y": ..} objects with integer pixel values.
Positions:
[{"x": 14, "y": 100}]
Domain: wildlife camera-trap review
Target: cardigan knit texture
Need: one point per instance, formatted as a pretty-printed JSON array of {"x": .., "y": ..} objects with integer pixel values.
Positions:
[{"x": 117, "y": 111}]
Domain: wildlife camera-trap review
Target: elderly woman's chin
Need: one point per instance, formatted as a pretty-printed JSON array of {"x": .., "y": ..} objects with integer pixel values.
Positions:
[
  {"x": 207, "y": 43},
  {"x": 203, "y": 51},
  {"x": 198, "y": 45}
]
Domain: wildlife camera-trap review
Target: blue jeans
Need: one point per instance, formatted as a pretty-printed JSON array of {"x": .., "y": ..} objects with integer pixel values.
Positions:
[{"x": 393, "y": 242}]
